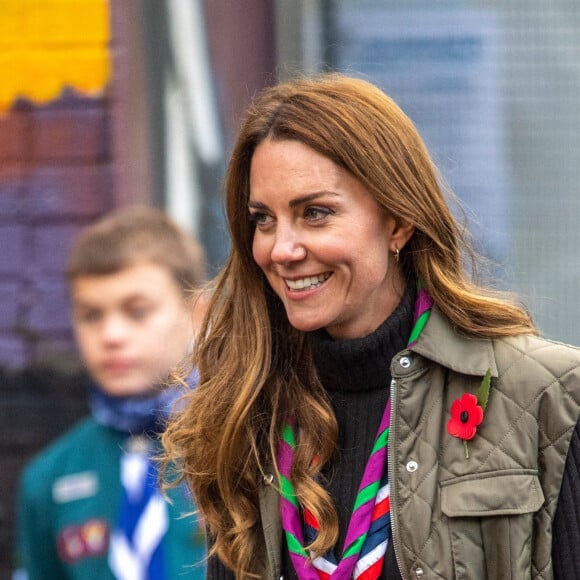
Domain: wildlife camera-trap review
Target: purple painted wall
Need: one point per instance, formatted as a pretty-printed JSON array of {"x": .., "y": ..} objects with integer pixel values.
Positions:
[{"x": 55, "y": 177}]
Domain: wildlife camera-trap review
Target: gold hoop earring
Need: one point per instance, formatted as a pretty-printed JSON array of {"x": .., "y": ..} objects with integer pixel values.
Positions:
[{"x": 397, "y": 255}]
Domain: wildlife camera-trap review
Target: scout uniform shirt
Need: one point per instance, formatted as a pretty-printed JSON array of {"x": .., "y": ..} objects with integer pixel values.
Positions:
[{"x": 68, "y": 509}]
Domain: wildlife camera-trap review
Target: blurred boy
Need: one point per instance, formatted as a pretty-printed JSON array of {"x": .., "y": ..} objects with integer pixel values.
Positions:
[{"x": 89, "y": 505}]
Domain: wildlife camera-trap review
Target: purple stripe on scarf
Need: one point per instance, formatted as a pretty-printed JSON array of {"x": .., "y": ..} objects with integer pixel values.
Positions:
[
  {"x": 376, "y": 463},
  {"x": 386, "y": 418},
  {"x": 345, "y": 568},
  {"x": 291, "y": 523},
  {"x": 360, "y": 523},
  {"x": 424, "y": 302},
  {"x": 374, "y": 469},
  {"x": 285, "y": 455},
  {"x": 304, "y": 568}
]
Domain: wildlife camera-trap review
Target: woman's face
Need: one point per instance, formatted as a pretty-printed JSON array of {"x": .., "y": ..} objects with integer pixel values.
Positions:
[{"x": 322, "y": 241}]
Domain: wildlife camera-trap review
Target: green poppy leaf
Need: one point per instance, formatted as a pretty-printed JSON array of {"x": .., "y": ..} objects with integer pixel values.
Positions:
[{"x": 483, "y": 391}]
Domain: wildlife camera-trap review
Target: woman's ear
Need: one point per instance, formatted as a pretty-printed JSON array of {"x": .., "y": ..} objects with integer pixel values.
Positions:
[{"x": 401, "y": 234}]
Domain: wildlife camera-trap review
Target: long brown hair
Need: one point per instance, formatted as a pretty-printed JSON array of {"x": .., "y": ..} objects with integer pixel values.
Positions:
[{"x": 255, "y": 369}]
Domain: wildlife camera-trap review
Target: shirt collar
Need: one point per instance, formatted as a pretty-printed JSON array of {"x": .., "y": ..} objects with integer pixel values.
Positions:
[{"x": 443, "y": 344}]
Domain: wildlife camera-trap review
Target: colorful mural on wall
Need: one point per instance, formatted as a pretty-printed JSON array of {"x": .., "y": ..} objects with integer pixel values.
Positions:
[{"x": 47, "y": 46}]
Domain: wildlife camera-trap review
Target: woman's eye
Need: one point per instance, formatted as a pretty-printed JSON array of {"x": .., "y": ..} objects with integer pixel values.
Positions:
[
  {"x": 316, "y": 213},
  {"x": 260, "y": 218}
]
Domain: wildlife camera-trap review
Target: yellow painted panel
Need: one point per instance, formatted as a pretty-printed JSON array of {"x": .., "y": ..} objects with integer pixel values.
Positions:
[
  {"x": 12, "y": 22},
  {"x": 86, "y": 71},
  {"x": 68, "y": 22},
  {"x": 42, "y": 79},
  {"x": 11, "y": 78},
  {"x": 49, "y": 45}
]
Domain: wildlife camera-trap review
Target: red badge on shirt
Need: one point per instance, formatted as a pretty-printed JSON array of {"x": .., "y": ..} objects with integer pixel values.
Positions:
[{"x": 89, "y": 539}]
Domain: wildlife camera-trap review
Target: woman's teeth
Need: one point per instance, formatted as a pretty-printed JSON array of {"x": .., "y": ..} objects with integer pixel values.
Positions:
[{"x": 307, "y": 283}]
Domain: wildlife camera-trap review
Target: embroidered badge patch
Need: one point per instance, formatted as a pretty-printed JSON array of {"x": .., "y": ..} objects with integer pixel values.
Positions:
[
  {"x": 87, "y": 540},
  {"x": 75, "y": 486}
]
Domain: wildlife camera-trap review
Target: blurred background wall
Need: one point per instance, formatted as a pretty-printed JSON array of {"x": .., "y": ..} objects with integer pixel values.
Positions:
[
  {"x": 109, "y": 103},
  {"x": 102, "y": 104}
]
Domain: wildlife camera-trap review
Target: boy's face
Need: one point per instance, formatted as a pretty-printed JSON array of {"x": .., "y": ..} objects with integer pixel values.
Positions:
[{"x": 132, "y": 327}]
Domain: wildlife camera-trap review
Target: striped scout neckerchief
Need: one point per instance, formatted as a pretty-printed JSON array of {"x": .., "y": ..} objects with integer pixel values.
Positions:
[{"x": 369, "y": 530}]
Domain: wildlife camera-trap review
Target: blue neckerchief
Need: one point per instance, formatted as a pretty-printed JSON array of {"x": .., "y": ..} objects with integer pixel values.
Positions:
[
  {"x": 135, "y": 513},
  {"x": 137, "y": 414}
]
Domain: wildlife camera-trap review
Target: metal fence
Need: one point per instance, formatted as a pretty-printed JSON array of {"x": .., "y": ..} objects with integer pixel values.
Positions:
[{"x": 494, "y": 88}]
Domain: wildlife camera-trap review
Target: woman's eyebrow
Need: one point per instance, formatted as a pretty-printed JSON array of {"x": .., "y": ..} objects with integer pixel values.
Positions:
[
  {"x": 296, "y": 201},
  {"x": 310, "y": 197},
  {"x": 257, "y": 205}
]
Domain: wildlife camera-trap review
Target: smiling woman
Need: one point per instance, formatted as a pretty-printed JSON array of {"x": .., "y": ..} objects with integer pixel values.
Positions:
[{"x": 341, "y": 332}]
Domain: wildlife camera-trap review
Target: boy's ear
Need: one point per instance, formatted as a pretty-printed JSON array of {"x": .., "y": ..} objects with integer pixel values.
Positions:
[{"x": 402, "y": 232}]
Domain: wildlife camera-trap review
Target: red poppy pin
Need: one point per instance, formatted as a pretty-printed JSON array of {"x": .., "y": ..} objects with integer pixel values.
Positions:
[{"x": 467, "y": 413}]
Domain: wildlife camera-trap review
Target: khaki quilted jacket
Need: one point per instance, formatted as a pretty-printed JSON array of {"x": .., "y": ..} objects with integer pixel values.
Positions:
[{"x": 489, "y": 516}]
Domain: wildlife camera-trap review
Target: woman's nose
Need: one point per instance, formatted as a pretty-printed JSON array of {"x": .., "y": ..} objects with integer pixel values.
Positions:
[{"x": 288, "y": 246}]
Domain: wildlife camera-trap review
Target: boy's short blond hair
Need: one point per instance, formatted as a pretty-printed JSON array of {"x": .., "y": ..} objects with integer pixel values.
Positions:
[{"x": 135, "y": 234}]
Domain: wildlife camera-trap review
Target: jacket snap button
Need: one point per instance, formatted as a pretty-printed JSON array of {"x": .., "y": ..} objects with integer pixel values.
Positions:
[
  {"x": 419, "y": 572},
  {"x": 268, "y": 479},
  {"x": 405, "y": 362},
  {"x": 412, "y": 466}
]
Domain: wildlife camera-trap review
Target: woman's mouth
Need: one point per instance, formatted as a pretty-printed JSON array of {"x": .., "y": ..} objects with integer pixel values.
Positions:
[{"x": 307, "y": 283}]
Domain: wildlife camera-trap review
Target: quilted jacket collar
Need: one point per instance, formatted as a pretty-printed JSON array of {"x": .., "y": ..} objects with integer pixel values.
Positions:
[{"x": 441, "y": 343}]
